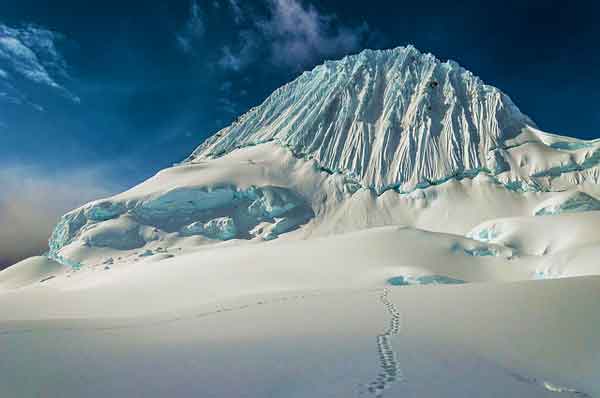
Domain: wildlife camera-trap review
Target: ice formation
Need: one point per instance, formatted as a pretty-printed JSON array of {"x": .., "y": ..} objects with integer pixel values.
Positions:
[
  {"x": 377, "y": 138},
  {"x": 574, "y": 202},
  {"x": 393, "y": 117},
  {"x": 424, "y": 280},
  {"x": 222, "y": 228},
  {"x": 222, "y": 213},
  {"x": 486, "y": 233}
]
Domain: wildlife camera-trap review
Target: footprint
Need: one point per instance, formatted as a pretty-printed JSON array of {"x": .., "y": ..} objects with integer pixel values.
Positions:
[{"x": 390, "y": 371}]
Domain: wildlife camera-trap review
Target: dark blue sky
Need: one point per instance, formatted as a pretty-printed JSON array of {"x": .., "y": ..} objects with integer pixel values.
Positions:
[{"x": 96, "y": 96}]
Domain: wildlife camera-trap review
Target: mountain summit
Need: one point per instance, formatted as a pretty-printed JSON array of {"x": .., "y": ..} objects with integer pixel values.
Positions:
[
  {"x": 380, "y": 138},
  {"x": 387, "y": 117}
]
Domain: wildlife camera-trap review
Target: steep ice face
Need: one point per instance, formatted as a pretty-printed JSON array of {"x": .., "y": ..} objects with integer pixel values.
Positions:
[
  {"x": 123, "y": 234},
  {"x": 389, "y": 118},
  {"x": 104, "y": 210},
  {"x": 217, "y": 213},
  {"x": 221, "y": 228},
  {"x": 272, "y": 202}
]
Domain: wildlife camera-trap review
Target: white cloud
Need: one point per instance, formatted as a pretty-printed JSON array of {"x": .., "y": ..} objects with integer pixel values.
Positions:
[
  {"x": 294, "y": 35},
  {"x": 10, "y": 94},
  {"x": 24, "y": 61},
  {"x": 300, "y": 35},
  {"x": 32, "y": 201},
  {"x": 193, "y": 30},
  {"x": 31, "y": 53}
]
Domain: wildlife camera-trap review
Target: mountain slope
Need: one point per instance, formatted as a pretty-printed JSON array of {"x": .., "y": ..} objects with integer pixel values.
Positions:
[
  {"x": 377, "y": 138},
  {"x": 399, "y": 119},
  {"x": 393, "y": 117}
]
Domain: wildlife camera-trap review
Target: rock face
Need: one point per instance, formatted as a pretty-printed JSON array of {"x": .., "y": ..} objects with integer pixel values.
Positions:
[{"x": 389, "y": 118}]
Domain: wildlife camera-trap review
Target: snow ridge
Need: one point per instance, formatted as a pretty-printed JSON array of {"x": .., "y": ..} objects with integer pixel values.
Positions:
[{"x": 388, "y": 117}]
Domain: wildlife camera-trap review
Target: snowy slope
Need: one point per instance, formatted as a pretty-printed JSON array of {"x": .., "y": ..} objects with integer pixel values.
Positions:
[
  {"x": 521, "y": 340},
  {"x": 349, "y": 186},
  {"x": 263, "y": 192}
]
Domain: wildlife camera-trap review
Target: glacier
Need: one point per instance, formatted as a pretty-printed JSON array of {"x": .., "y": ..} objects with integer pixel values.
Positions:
[
  {"x": 221, "y": 228},
  {"x": 403, "y": 120},
  {"x": 349, "y": 134},
  {"x": 216, "y": 213},
  {"x": 391, "y": 117}
]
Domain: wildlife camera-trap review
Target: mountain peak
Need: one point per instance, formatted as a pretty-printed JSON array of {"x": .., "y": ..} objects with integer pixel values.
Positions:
[{"x": 394, "y": 117}]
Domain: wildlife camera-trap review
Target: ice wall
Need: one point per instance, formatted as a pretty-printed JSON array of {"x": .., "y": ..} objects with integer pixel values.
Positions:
[
  {"x": 221, "y": 213},
  {"x": 392, "y": 117}
]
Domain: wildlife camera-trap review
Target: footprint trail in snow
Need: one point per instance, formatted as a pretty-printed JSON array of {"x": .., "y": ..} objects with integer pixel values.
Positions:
[{"x": 390, "y": 371}]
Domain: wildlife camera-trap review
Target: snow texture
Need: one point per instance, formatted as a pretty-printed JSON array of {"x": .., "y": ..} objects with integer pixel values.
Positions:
[{"x": 392, "y": 117}]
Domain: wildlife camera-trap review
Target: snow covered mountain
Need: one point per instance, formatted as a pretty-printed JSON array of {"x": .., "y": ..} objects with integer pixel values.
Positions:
[
  {"x": 359, "y": 178},
  {"x": 389, "y": 118},
  {"x": 377, "y": 138},
  {"x": 398, "y": 119}
]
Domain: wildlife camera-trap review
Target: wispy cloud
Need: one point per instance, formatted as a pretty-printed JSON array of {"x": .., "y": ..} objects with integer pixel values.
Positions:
[
  {"x": 300, "y": 35},
  {"x": 293, "y": 34},
  {"x": 31, "y": 202},
  {"x": 31, "y": 53},
  {"x": 12, "y": 95},
  {"x": 243, "y": 55},
  {"x": 238, "y": 14},
  {"x": 193, "y": 30}
]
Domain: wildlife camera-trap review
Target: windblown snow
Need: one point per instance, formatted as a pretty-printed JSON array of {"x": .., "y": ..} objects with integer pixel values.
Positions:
[{"x": 357, "y": 189}]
